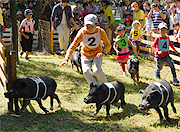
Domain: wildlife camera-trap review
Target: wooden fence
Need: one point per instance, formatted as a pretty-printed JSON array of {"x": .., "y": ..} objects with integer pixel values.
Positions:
[{"x": 7, "y": 71}]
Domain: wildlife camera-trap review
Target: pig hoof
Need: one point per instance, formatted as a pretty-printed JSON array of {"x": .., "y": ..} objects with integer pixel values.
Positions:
[
  {"x": 95, "y": 113},
  {"x": 51, "y": 108},
  {"x": 134, "y": 83}
]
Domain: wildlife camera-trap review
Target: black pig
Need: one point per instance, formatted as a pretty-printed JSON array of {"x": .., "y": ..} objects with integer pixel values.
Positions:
[
  {"x": 133, "y": 69},
  {"x": 105, "y": 93},
  {"x": 34, "y": 89},
  {"x": 156, "y": 95},
  {"x": 76, "y": 60}
]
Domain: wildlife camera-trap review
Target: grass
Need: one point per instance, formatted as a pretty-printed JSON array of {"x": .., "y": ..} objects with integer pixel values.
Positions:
[{"x": 78, "y": 116}]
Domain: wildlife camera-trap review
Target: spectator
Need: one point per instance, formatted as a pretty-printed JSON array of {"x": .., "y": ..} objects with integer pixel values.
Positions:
[
  {"x": 171, "y": 19},
  {"x": 176, "y": 33},
  {"x": 139, "y": 14},
  {"x": 20, "y": 6},
  {"x": 127, "y": 13},
  {"x": 146, "y": 5},
  {"x": 2, "y": 12},
  {"x": 60, "y": 19},
  {"x": 26, "y": 29},
  {"x": 101, "y": 7},
  {"x": 161, "y": 48},
  {"x": 148, "y": 23},
  {"x": 19, "y": 15},
  {"x": 108, "y": 12},
  {"x": 90, "y": 37},
  {"x": 158, "y": 15},
  {"x": 177, "y": 4},
  {"x": 128, "y": 22},
  {"x": 101, "y": 17},
  {"x": 46, "y": 11},
  {"x": 54, "y": 3},
  {"x": 92, "y": 8},
  {"x": 30, "y": 5},
  {"x": 78, "y": 8},
  {"x": 84, "y": 12}
]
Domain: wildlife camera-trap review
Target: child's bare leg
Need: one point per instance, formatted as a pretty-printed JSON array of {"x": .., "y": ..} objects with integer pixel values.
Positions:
[{"x": 27, "y": 54}]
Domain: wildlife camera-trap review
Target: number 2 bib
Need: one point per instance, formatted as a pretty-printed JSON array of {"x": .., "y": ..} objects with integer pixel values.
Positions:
[
  {"x": 163, "y": 44},
  {"x": 92, "y": 40},
  {"x": 122, "y": 42}
]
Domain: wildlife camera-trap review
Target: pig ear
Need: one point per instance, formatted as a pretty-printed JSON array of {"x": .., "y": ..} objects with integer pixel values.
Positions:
[
  {"x": 99, "y": 86},
  {"x": 91, "y": 85},
  {"x": 141, "y": 91}
]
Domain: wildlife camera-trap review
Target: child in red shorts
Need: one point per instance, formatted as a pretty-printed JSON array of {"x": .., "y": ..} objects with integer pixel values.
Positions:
[{"x": 121, "y": 46}]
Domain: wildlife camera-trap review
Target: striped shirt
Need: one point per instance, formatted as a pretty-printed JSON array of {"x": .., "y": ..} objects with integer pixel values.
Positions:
[{"x": 156, "y": 18}]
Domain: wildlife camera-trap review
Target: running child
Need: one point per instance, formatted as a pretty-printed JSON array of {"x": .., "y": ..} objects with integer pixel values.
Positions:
[
  {"x": 121, "y": 46},
  {"x": 27, "y": 30},
  {"x": 161, "y": 47},
  {"x": 136, "y": 35},
  {"x": 90, "y": 37}
]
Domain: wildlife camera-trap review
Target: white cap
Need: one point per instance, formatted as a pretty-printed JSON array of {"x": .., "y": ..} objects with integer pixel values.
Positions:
[
  {"x": 19, "y": 13},
  {"x": 90, "y": 19},
  {"x": 162, "y": 25}
]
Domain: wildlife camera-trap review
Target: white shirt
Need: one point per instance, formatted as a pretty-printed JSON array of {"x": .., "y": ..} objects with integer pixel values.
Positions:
[{"x": 63, "y": 17}]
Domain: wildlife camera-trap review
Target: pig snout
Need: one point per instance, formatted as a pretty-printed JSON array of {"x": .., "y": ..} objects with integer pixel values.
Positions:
[
  {"x": 89, "y": 100},
  {"x": 143, "y": 107}
]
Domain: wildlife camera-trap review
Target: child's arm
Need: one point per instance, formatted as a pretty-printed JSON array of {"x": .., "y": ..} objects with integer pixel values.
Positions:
[
  {"x": 34, "y": 32},
  {"x": 20, "y": 30},
  {"x": 133, "y": 47},
  {"x": 114, "y": 47}
]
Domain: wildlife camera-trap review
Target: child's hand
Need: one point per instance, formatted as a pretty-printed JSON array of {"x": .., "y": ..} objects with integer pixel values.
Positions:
[
  {"x": 65, "y": 62},
  {"x": 26, "y": 36},
  {"x": 99, "y": 55},
  {"x": 160, "y": 52},
  {"x": 36, "y": 35}
]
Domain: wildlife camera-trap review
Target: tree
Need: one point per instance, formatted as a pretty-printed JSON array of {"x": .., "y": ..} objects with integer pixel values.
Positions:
[{"x": 14, "y": 27}]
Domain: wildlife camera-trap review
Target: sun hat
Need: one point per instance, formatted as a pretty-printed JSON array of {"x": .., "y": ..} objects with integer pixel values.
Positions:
[
  {"x": 28, "y": 12},
  {"x": 162, "y": 25},
  {"x": 19, "y": 13},
  {"x": 136, "y": 21},
  {"x": 119, "y": 28},
  {"x": 134, "y": 5},
  {"x": 90, "y": 19}
]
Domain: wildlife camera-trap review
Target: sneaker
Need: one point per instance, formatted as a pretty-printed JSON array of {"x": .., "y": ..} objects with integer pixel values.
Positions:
[
  {"x": 21, "y": 53},
  {"x": 124, "y": 74},
  {"x": 157, "y": 75},
  {"x": 175, "y": 80},
  {"x": 26, "y": 58},
  {"x": 63, "y": 52}
]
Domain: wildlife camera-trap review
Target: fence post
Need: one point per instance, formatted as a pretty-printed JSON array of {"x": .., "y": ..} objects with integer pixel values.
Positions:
[
  {"x": 8, "y": 71},
  {"x": 51, "y": 42}
]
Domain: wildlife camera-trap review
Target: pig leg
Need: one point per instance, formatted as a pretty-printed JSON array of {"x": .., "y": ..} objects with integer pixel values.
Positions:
[
  {"x": 56, "y": 97},
  {"x": 122, "y": 101},
  {"x": 51, "y": 103},
  {"x": 107, "y": 110},
  {"x": 16, "y": 105},
  {"x": 166, "y": 113},
  {"x": 137, "y": 76},
  {"x": 25, "y": 103},
  {"x": 159, "y": 112},
  {"x": 174, "y": 109},
  {"x": 41, "y": 106},
  {"x": 98, "y": 107},
  {"x": 77, "y": 68}
]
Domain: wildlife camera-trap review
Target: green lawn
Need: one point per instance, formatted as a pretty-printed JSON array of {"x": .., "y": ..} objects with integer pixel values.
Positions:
[{"x": 78, "y": 116}]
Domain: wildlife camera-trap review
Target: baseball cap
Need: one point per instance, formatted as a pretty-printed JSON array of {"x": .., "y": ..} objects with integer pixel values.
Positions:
[
  {"x": 28, "y": 12},
  {"x": 128, "y": 20},
  {"x": 19, "y": 13},
  {"x": 134, "y": 5},
  {"x": 162, "y": 25},
  {"x": 90, "y": 19},
  {"x": 77, "y": 1}
]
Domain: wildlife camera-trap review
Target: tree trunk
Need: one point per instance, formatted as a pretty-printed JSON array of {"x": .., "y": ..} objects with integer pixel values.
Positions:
[
  {"x": 37, "y": 13},
  {"x": 14, "y": 27}
]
